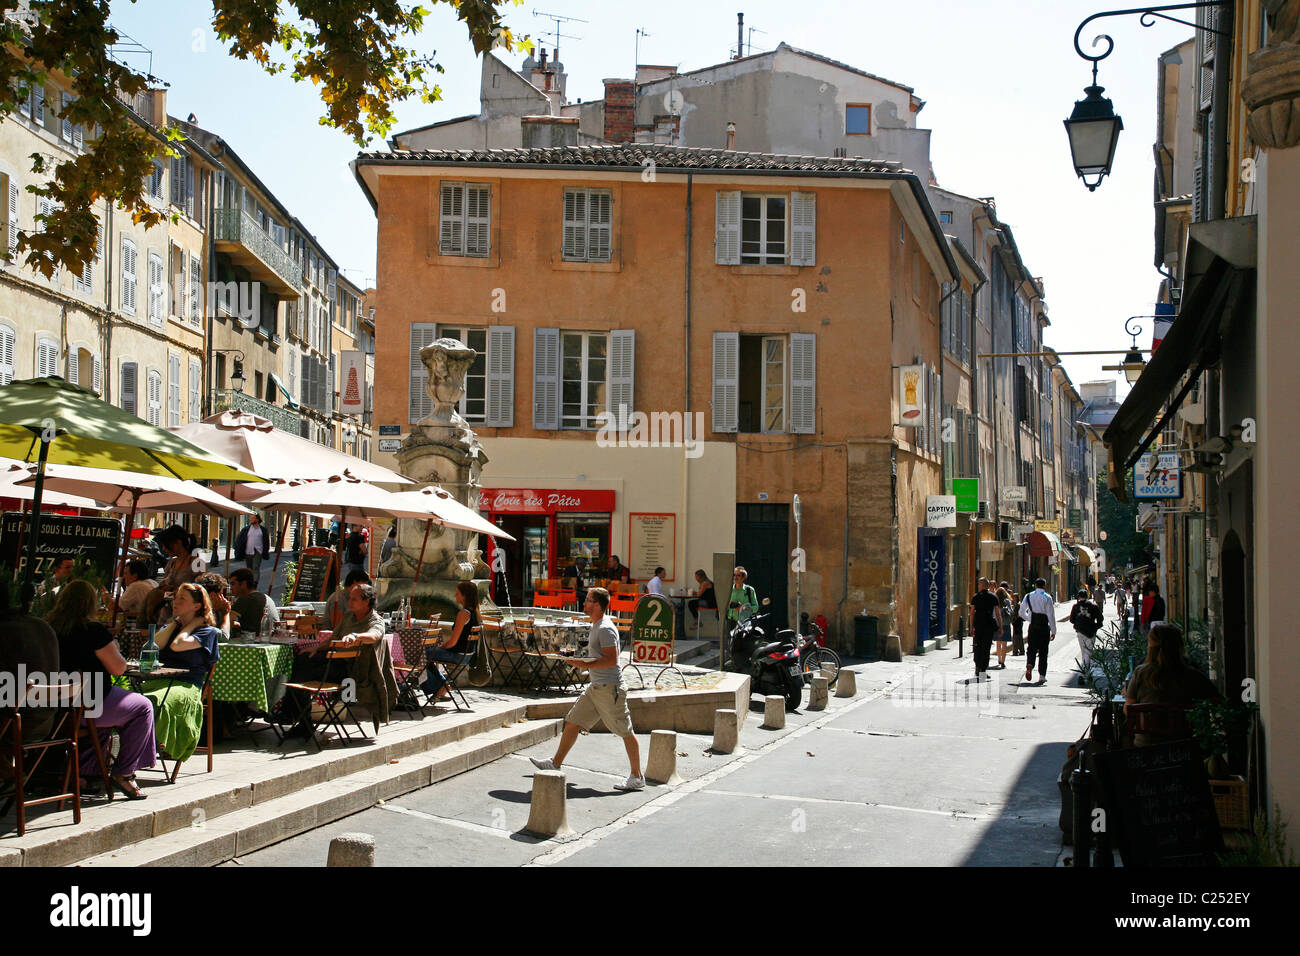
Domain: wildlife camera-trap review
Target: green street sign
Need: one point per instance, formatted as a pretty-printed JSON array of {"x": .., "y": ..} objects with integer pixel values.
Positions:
[
  {"x": 1076, "y": 519},
  {"x": 967, "y": 491},
  {"x": 653, "y": 630}
]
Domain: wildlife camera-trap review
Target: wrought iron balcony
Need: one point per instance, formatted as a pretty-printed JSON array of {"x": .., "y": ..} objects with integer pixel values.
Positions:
[
  {"x": 239, "y": 236},
  {"x": 229, "y": 399}
]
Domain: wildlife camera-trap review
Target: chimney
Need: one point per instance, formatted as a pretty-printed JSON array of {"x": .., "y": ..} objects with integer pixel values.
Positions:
[
  {"x": 740, "y": 36},
  {"x": 731, "y": 136},
  {"x": 541, "y": 131},
  {"x": 620, "y": 102}
]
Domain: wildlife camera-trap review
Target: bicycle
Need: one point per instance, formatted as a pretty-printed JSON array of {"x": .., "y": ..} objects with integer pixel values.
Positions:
[{"x": 814, "y": 658}]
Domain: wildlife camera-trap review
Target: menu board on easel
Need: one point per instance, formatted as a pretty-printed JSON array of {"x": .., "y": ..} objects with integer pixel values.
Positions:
[
  {"x": 317, "y": 574},
  {"x": 652, "y": 543}
]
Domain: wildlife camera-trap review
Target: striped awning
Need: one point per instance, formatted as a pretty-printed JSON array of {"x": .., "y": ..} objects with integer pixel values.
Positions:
[{"x": 1043, "y": 544}]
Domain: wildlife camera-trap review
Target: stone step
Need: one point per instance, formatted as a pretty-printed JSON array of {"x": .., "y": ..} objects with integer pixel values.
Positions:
[{"x": 208, "y": 842}]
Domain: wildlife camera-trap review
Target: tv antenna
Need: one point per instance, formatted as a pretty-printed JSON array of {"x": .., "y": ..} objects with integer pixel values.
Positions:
[
  {"x": 558, "y": 20},
  {"x": 637, "y": 54}
]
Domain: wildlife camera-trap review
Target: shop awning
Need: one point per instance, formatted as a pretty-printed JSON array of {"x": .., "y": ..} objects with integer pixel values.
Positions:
[
  {"x": 1220, "y": 280},
  {"x": 1042, "y": 544},
  {"x": 1086, "y": 554},
  {"x": 288, "y": 399}
]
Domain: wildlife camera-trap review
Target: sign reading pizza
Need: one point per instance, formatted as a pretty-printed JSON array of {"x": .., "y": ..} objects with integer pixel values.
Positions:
[{"x": 653, "y": 630}]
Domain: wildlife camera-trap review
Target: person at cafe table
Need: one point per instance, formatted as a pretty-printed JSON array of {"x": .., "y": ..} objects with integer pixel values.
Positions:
[
  {"x": 188, "y": 641},
  {"x": 453, "y": 647},
  {"x": 181, "y": 568},
  {"x": 136, "y": 585},
  {"x": 250, "y": 605}
]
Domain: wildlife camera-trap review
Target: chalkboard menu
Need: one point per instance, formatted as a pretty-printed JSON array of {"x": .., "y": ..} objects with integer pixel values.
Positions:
[
  {"x": 95, "y": 540},
  {"x": 317, "y": 574},
  {"x": 1159, "y": 806}
]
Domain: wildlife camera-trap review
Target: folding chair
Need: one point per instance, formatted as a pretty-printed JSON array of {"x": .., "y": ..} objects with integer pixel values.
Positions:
[
  {"x": 329, "y": 695},
  {"x": 63, "y": 733},
  {"x": 546, "y": 600},
  {"x": 206, "y": 747},
  {"x": 1155, "y": 720},
  {"x": 452, "y": 671},
  {"x": 504, "y": 657},
  {"x": 411, "y": 675}
]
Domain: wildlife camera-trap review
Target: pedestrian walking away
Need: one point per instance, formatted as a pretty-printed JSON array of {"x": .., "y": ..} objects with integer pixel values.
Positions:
[
  {"x": 1086, "y": 618},
  {"x": 1017, "y": 625},
  {"x": 1039, "y": 610},
  {"x": 986, "y": 623},
  {"x": 355, "y": 550},
  {"x": 1004, "y": 632},
  {"x": 604, "y": 699}
]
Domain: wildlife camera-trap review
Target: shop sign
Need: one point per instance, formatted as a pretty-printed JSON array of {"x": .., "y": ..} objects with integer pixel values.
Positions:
[
  {"x": 94, "y": 540},
  {"x": 1014, "y": 494},
  {"x": 967, "y": 492},
  {"x": 386, "y": 431},
  {"x": 390, "y": 444},
  {"x": 654, "y": 626},
  {"x": 1022, "y": 529},
  {"x": 1076, "y": 519},
  {"x": 941, "y": 511},
  {"x": 352, "y": 382},
  {"x": 651, "y": 543},
  {"x": 1157, "y": 478},
  {"x": 542, "y": 501},
  {"x": 931, "y": 569},
  {"x": 1047, "y": 524},
  {"x": 911, "y": 395}
]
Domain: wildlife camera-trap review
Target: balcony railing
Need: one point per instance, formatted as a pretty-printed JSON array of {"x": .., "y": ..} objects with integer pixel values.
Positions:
[
  {"x": 235, "y": 225},
  {"x": 228, "y": 399}
]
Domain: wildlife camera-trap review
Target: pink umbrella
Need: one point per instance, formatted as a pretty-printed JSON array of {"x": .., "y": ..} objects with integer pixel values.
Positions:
[{"x": 448, "y": 512}]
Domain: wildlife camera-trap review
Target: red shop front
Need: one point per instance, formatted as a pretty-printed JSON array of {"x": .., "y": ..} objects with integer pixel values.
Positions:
[{"x": 552, "y": 527}]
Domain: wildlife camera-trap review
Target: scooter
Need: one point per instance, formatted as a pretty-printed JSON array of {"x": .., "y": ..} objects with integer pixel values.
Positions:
[{"x": 771, "y": 661}]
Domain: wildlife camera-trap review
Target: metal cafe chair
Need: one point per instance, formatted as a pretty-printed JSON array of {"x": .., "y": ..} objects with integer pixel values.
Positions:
[
  {"x": 206, "y": 746},
  {"x": 504, "y": 656},
  {"x": 452, "y": 671},
  {"x": 63, "y": 734},
  {"x": 329, "y": 695},
  {"x": 410, "y": 674}
]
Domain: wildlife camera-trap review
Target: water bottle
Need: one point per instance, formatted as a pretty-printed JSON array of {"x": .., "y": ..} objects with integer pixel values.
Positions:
[
  {"x": 149, "y": 653},
  {"x": 264, "y": 629}
]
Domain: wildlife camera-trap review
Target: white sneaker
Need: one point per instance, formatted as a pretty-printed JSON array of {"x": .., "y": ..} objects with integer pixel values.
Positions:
[
  {"x": 546, "y": 764},
  {"x": 631, "y": 783}
]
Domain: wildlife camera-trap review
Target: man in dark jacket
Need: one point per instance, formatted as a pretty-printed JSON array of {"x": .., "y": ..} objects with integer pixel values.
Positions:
[
  {"x": 1086, "y": 618},
  {"x": 253, "y": 544}
]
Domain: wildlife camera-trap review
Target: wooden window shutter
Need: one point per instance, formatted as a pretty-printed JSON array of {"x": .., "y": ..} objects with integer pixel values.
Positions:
[
  {"x": 574, "y": 244},
  {"x": 726, "y": 240},
  {"x": 47, "y": 358},
  {"x": 130, "y": 388},
  {"x": 154, "y": 398},
  {"x": 451, "y": 219},
  {"x": 803, "y": 383},
  {"x": 546, "y": 379},
  {"x": 74, "y": 365},
  {"x": 600, "y": 226},
  {"x": 622, "y": 369},
  {"x": 500, "y": 376},
  {"x": 478, "y": 220},
  {"x": 803, "y": 229},
  {"x": 418, "y": 404},
  {"x": 65, "y": 131},
  {"x": 7, "y": 342},
  {"x": 196, "y": 291},
  {"x": 726, "y": 380},
  {"x": 196, "y": 390},
  {"x": 13, "y": 214}
]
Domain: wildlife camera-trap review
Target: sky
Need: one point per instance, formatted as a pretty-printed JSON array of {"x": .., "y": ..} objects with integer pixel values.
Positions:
[{"x": 998, "y": 77}]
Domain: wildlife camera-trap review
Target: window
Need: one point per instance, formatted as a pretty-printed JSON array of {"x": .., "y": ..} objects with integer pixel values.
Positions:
[
  {"x": 157, "y": 289},
  {"x": 464, "y": 219},
  {"x": 154, "y": 409},
  {"x": 128, "y": 276},
  {"x": 84, "y": 369},
  {"x": 473, "y": 404},
  {"x": 12, "y": 189},
  {"x": 196, "y": 390},
  {"x": 196, "y": 291},
  {"x": 7, "y": 341},
  {"x": 766, "y": 228},
  {"x": 583, "y": 383},
  {"x": 182, "y": 193},
  {"x": 173, "y": 390},
  {"x": 764, "y": 383},
  {"x": 945, "y": 217},
  {"x": 128, "y": 390},
  {"x": 154, "y": 184},
  {"x": 857, "y": 119},
  {"x": 587, "y": 225},
  {"x": 70, "y": 132},
  {"x": 47, "y": 357}
]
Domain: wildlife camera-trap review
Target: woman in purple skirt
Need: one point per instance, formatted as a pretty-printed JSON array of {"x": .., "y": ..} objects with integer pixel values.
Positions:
[{"x": 86, "y": 646}]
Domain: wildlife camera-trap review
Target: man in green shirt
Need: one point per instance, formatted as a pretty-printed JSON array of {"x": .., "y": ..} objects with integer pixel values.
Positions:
[{"x": 742, "y": 597}]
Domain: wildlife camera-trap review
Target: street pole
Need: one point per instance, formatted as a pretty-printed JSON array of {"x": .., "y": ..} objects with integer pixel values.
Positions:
[{"x": 798, "y": 575}]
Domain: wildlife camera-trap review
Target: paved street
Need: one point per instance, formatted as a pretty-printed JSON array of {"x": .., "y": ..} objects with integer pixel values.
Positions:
[{"x": 915, "y": 770}]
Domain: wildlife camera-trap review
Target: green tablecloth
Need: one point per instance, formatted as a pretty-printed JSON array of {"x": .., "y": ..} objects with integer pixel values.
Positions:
[{"x": 252, "y": 673}]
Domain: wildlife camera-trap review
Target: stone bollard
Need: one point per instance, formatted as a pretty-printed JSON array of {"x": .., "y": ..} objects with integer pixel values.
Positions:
[
  {"x": 893, "y": 649},
  {"x": 774, "y": 712},
  {"x": 662, "y": 765},
  {"x": 820, "y": 694},
  {"x": 726, "y": 732},
  {"x": 547, "y": 813},
  {"x": 352, "y": 849},
  {"x": 846, "y": 685},
  {"x": 828, "y": 674}
]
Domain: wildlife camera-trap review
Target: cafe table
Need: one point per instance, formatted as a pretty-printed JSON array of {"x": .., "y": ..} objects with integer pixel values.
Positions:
[{"x": 252, "y": 673}]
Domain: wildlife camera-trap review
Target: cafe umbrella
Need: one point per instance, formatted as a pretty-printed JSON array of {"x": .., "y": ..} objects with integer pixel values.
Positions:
[
  {"x": 448, "y": 512},
  {"x": 51, "y": 421}
]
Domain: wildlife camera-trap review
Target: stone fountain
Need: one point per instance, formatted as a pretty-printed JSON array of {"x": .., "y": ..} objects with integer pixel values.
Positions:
[{"x": 440, "y": 450}]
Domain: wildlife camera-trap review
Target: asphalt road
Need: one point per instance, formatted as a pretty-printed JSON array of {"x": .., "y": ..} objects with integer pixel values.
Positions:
[{"x": 923, "y": 767}]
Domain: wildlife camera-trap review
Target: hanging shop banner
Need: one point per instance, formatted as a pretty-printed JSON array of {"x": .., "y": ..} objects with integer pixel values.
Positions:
[
  {"x": 1076, "y": 519},
  {"x": 352, "y": 382},
  {"x": 967, "y": 492},
  {"x": 652, "y": 543},
  {"x": 931, "y": 584},
  {"x": 95, "y": 540},
  {"x": 941, "y": 511},
  {"x": 911, "y": 395},
  {"x": 1014, "y": 495},
  {"x": 1157, "y": 478},
  {"x": 653, "y": 628}
]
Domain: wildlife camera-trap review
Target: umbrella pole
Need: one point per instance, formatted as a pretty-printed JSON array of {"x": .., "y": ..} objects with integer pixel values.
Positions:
[
  {"x": 279, "y": 546},
  {"x": 29, "y": 572},
  {"x": 419, "y": 564},
  {"x": 22, "y": 532},
  {"x": 343, "y": 537},
  {"x": 126, "y": 537},
  {"x": 230, "y": 542}
]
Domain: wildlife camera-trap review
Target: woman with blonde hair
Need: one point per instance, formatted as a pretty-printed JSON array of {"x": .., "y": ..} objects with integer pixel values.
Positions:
[
  {"x": 1166, "y": 678},
  {"x": 1004, "y": 636},
  {"x": 189, "y": 642},
  {"x": 87, "y": 647}
]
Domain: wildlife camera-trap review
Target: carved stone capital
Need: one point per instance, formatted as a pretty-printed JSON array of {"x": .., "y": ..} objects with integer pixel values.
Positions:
[{"x": 1271, "y": 88}]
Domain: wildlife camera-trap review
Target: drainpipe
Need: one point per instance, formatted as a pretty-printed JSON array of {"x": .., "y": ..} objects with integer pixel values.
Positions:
[
  {"x": 207, "y": 300},
  {"x": 108, "y": 303},
  {"x": 686, "y": 417},
  {"x": 1223, "y": 49}
]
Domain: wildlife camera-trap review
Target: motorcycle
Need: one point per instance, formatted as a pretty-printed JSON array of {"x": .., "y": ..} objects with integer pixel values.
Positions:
[{"x": 771, "y": 660}]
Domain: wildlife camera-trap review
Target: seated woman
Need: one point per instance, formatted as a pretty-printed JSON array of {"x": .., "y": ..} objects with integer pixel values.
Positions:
[
  {"x": 1166, "y": 678},
  {"x": 188, "y": 641},
  {"x": 453, "y": 647},
  {"x": 86, "y": 647},
  {"x": 180, "y": 544},
  {"x": 708, "y": 597}
]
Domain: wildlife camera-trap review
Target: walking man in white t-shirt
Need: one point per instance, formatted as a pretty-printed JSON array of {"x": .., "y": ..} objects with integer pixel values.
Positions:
[
  {"x": 1039, "y": 610},
  {"x": 605, "y": 697}
]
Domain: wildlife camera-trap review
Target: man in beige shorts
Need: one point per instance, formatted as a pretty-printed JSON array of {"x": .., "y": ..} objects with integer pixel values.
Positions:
[{"x": 605, "y": 697}]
